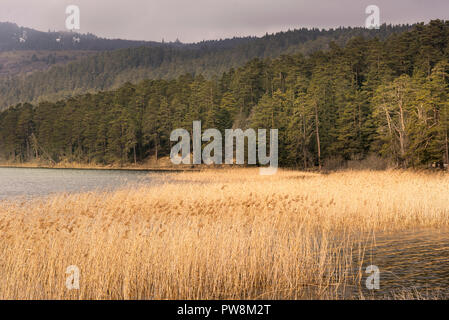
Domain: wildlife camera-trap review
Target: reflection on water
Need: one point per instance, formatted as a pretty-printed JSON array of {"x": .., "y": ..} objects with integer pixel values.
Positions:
[
  {"x": 413, "y": 260},
  {"x": 24, "y": 182}
]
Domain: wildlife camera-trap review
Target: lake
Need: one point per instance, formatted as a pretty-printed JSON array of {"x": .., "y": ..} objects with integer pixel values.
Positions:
[
  {"x": 414, "y": 260},
  {"x": 35, "y": 182}
]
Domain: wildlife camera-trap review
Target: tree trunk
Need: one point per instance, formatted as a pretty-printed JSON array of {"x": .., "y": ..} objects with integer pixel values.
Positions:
[
  {"x": 28, "y": 156},
  {"x": 156, "y": 145},
  {"x": 402, "y": 133},
  {"x": 447, "y": 149},
  {"x": 304, "y": 142},
  {"x": 317, "y": 129}
]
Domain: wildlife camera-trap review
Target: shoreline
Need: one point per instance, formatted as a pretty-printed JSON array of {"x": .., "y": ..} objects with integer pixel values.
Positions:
[
  {"x": 197, "y": 168},
  {"x": 111, "y": 168}
]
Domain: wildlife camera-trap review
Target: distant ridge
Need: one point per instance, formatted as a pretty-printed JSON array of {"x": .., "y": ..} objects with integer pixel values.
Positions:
[{"x": 13, "y": 37}]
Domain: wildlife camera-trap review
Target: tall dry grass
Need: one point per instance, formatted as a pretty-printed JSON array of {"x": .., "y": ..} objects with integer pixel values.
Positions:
[{"x": 213, "y": 235}]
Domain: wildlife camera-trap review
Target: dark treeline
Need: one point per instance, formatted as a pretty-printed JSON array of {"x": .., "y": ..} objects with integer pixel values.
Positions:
[
  {"x": 386, "y": 98},
  {"x": 111, "y": 69},
  {"x": 11, "y": 33}
]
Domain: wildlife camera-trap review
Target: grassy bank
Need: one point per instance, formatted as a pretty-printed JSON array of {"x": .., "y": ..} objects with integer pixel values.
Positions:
[
  {"x": 161, "y": 165},
  {"x": 227, "y": 234}
]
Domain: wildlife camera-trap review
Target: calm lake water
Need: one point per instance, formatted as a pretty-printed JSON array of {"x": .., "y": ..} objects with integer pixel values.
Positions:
[
  {"x": 24, "y": 182},
  {"x": 415, "y": 259}
]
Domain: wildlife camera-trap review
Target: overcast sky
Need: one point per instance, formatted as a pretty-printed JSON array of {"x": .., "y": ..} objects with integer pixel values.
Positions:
[{"x": 196, "y": 20}]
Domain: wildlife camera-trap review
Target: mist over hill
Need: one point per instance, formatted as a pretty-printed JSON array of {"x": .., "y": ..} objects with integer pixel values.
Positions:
[
  {"x": 14, "y": 37},
  {"x": 25, "y": 50}
]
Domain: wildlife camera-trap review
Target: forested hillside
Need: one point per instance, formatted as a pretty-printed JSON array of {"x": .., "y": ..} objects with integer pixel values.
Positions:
[
  {"x": 15, "y": 38},
  {"x": 28, "y": 61},
  {"x": 387, "y": 98},
  {"x": 111, "y": 69}
]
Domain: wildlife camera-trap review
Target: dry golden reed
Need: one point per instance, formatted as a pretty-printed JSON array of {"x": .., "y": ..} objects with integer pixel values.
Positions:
[{"x": 225, "y": 234}]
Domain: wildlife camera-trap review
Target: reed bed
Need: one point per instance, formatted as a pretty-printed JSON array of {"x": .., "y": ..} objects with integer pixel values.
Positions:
[{"x": 224, "y": 234}]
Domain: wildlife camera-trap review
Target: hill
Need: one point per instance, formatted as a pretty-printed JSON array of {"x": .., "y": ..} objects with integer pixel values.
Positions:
[
  {"x": 370, "y": 100},
  {"x": 25, "y": 62},
  {"x": 15, "y": 38},
  {"x": 25, "y": 50},
  {"x": 110, "y": 69}
]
